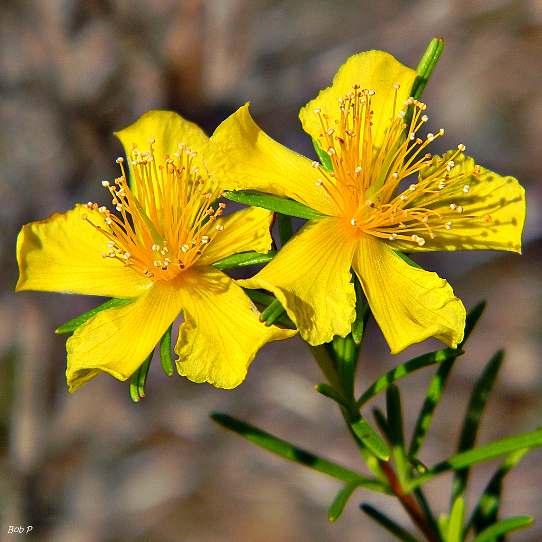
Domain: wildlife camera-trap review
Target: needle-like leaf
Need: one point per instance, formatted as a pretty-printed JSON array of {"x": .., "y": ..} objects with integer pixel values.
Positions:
[{"x": 293, "y": 453}]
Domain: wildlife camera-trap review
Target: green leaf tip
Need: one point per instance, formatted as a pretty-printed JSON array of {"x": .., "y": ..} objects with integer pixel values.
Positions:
[
  {"x": 502, "y": 527},
  {"x": 371, "y": 439},
  {"x": 426, "y": 66},
  {"x": 339, "y": 502}
]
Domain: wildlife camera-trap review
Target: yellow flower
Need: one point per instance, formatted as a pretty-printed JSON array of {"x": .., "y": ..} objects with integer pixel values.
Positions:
[
  {"x": 385, "y": 194},
  {"x": 158, "y": 248}
]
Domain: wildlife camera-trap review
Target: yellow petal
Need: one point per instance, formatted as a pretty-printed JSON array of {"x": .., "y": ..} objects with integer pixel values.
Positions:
[
  {"x": 374, "y": 70},
  {"x": 221, "y": 332},
  {"x": 64, "y": 253},
  {"x": 248, "y": 229},
  {"x": 311, "y": 278},
  {"x": 167, "y": 129},
  {"x": 118, "y": 340},
  {"x": 242, "y": 157},
  {"x": 493, "y": 212},
  {"x": 409, "y": 304}
]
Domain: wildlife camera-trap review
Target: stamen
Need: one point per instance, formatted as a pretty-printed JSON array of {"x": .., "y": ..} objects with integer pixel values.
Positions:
[{"x": 164, "y": 219}]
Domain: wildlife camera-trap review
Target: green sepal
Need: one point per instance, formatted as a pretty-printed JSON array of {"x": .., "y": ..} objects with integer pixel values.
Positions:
[
  {"x": 293, "y": 453},
  {"x": 265, "y": 300},
  {"x": 478, "y": 399},
  {"x": 323, "y": 156},
  {"x": 371, "y": 439},
  {"x": 502, "y": 527},
  {"x": 284, "y": 206},
  {"x": 426, "y": 66},
  {"x": 244, "y": 259},
  {"x": 166, "y": 359},
  {"x": 406, "y": 259},
  {"x": 71, "y": 325},
  {"x": 272, "y": 312},
  {"x": 285, "y": 228},
  {"x": 139, "y": 380},
  {"x": 488, "y": 452},
  {"x": 388, "y": 523},
  {"x": 362, "y": 312}
]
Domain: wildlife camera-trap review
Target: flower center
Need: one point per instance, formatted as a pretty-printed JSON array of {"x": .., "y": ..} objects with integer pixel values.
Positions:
[
  {"x": 165, "y": 220},
  {"x": 369, "y": 174}
]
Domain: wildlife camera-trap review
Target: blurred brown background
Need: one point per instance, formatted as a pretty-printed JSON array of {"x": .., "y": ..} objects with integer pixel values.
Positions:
[{"x": 93, "y": 466}]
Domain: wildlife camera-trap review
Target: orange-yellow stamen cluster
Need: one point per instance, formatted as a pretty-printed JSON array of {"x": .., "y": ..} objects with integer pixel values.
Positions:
[
  {"x": 368, "y": 178},
  {"x": 165, "y": 220}
]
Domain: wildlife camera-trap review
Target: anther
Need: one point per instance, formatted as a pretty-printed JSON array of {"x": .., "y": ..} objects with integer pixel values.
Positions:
[
  {"x": 466, "y": 188},
  {"x": 105, "y": 184}
]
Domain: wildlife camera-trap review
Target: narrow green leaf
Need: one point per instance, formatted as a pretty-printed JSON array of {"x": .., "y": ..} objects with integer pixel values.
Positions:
[
  {"x": 437, "y": 385},
  {"x": 472, "y": 319},
  {"x": 293, "y": 453},
  {"x": 477, "y": 402},
  {"x": 455, "y": 522},
  {"x": 502, "y": 527},
  {"x": 486, "y": 510},
  {"x": 166, "y": 359},
  {"x": 139, "y": 379},
  {"x": 273, "y": 203},
  {"x": 428, "y": 513},
  {"x": 426, "y": 66},
  {"x": 399, "y": 372},
  {"x": 339, "y": 502},
  {"x": 394, "y": 413},
  {"x": 328, "y": 391},
  {"x": 382, "y": 423},
  {"x": 285, "y": 228},
  {"x": 272, "y": 313},
  {"x": 323, "y": 156},
  {"x": 74, "y": 323},
  {"x": 244, "y": 259},
  {"x": 481, "y": 454},
  {"x": 388, "y": 524},
  {"x": 371, "y": 438}
]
